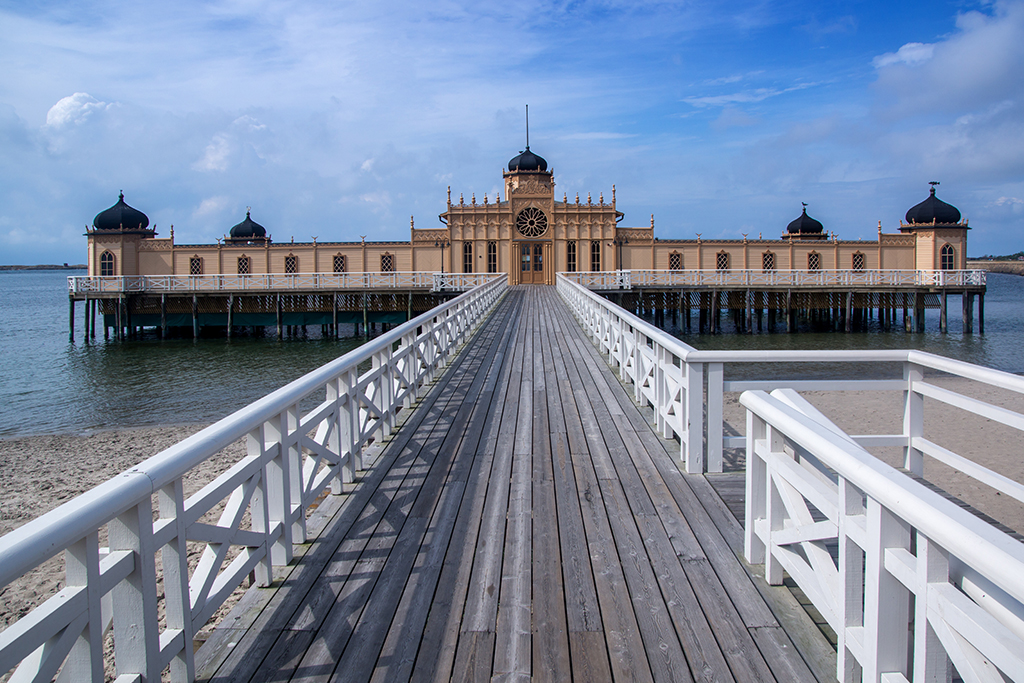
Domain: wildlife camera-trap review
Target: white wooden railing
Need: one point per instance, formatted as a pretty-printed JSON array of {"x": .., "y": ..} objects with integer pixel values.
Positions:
[
  {"x": 808, "y": 483},
  {"x": 292, "y": 456},
  {"x": 920, "y": 586},
  {"x": 277, "y": 282},
  {"x": 627, "y": 279}
]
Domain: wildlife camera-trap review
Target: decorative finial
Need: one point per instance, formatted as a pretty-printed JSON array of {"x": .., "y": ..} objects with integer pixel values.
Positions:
[
  {"x": 760, "y": 235},
  {"x": 600, "y": 198},
  {"x": 588, "y": 199},
  {"x": 218, "y": 241},
  {"x": 613, "y": 194},
  {"x": 565, "y": 198},
  {"x": 363, "y": 238},
  {"x": 745, "y": 237},
  {"x": 527, "y": 127},
  {"x": 449, "y": 195},
  {"x": 698, "y": 237},
  {"x": 172, "y": 231},
  {"x": 474, "y": 198},
  {"x": 577, "y": 197},
  {"x": 485, "y": 199},
  {"x": 879, "y": 227},
  {"x": 314, "y": 239},
  {"x": 412, "y": 223},
  {"x": 293, "y": 239},
  {"x": 652, "y": 222},
  {"x": 462, "y": 201},
  {"x": 933, "y": 183}
]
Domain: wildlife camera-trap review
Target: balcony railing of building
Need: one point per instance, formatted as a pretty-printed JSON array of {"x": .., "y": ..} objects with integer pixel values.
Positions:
[
  {"x": 301, "y": 440},
  {"x": 627, "y": 279},
  {"x": 809, "y": 484},
  {"x": 277, "y": 282}
]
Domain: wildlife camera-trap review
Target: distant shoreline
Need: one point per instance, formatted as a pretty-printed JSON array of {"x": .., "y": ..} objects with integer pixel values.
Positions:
[{"x": 48, "y": 266}]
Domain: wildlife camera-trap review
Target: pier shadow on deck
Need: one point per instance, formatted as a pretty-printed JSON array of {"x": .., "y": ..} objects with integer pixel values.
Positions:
[{"x": 525, "y": 523}]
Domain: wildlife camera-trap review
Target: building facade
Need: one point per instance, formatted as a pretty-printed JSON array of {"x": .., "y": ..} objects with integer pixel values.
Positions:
[{"x": 530, "y": 235}]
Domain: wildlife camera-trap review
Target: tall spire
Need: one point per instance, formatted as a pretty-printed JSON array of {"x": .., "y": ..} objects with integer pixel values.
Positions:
[{"x": 527, "y": 126}]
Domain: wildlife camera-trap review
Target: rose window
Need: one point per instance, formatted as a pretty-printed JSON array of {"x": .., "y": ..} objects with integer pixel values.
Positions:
[{"x": 531, "y": 222}]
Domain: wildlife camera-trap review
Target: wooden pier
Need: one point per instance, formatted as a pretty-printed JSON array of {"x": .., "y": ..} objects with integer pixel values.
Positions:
[{"x": 524, "y": 523}]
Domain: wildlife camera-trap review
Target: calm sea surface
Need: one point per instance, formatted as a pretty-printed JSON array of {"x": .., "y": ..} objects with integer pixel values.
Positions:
[{"x": 48, "y": 386}]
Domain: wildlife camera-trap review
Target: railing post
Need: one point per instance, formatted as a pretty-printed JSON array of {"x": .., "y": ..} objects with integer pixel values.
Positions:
[
  {"x": 82, "y": 568},
  {"x": 282, "y": 433},
  {"x": 913, "y": 419},
  {"x": 134, "y": 600},
  {"x": 693, "y": 448},
  {"x": 174, "y": 556},
  {"x": 716, "y": 428},
  {"x": 755, "y": 487},
  {"x": 850, "y": 605},
  {"x": 259, "y": 506},
  {"x": 886, "y": 600}
]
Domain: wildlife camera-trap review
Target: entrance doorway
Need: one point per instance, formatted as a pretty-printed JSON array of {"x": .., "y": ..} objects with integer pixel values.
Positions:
[{"x": 532, "y": 263}]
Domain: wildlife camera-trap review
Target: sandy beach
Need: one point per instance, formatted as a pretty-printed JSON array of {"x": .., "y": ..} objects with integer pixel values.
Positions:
[{"x": 39, "y": 473}]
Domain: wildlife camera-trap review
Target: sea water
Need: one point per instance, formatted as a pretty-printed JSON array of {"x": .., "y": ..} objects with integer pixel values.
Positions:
[{"x": 51, "y": 386}]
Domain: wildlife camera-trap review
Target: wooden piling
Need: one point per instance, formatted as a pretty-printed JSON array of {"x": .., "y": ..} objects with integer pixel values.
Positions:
[
  {"x": 231, "y": 313},
  {"x": 163, "y": 316},
  {"x": 195, "y": 317}
]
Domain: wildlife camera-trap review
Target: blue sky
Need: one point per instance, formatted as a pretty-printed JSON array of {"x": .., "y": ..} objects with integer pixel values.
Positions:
[{"x": 336, "y": 120}]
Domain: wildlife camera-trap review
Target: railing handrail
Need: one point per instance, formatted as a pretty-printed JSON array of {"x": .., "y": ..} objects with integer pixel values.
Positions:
[
  {"x": 276, "y": 281},
  {"x": 625, "y": 279},
  {"x": 993, "y": 553},
  {"x": 38, "y": 540}
]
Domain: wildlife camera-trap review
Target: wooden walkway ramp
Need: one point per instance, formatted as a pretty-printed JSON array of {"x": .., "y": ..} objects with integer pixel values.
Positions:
[{"x": 525, "y": 523}]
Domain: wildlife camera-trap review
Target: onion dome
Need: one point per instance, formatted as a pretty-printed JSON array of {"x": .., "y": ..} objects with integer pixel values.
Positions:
[
  {"x": 120, "y": 217},
  {"x": 933, "y": 210},
  {"x": 248, "y": 230},
  {"x": 527, "y": 161},
  {"x": 805, "y": 225}
]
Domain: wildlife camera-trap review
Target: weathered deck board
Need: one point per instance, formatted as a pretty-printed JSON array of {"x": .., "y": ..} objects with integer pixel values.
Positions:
[{"x": 524, "y": 524}]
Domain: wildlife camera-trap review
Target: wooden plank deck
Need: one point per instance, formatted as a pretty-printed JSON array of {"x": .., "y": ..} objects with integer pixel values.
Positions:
[{"x": 524, "y": 524}]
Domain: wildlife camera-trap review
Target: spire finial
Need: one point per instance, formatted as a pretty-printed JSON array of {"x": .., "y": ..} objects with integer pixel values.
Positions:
[
  {"x": 527, "y": 126},
  {"x": 933, "y": 183}
]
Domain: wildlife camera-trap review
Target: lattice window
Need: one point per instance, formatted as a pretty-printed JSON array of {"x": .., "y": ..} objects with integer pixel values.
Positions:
[
  {"x": 492, "y": 257},
  {"x": 675, "y": 261},
  {"x": 195, "y": 265},
  {"x": 948, "y": 258},
  {"x": 524, "y": 258},
  {"x": 106, "y": 264},
  {"x": 722, "y": 260},
  {"x": 387, "y": 263},
  {"x": 291, "y": 264},
  {"x": 814, "y": 261},
  {"x": 595, "y": 256},
  {"x": 340, "y": 264},
  {"x": 767, "y": 261},
  {"x": 570, "y": 257},
  {"x": 531, "y": 222},
  {"x": 858, "y": 261},
  {"x": 244, "y": 265},
  {"x": 467, "y": 257},
  {"x": 538, "y": 257}
]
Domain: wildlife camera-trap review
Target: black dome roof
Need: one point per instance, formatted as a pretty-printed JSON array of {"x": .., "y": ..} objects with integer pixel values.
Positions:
[
  {"x": 120, "y": 217},
  {"x": 933, "y": 210},
  {"x": 804, "y": 225},
  {"x": 527, "y": 161},
  {"x": 248, "y": 230}
]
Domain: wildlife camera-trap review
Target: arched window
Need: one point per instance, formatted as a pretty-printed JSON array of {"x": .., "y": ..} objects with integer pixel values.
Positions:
[
  {"x": 387, "y": 263},
  {"x": 467, "y": 257},
  {"x": 291, "y": 264},
  {"x": 195, "y": 265},
  {"x": 595, "y": 256},
  {"x": 340, "y": 266},
  {"x": 722, "y": 260},
  {"x": 675, "y": 261},
  {"x": 106, "y": 263},
  {"x": 244, "y": 265},
  {"x": 492, "y": 257},
  {"x": 948, "y": 257},
  {"x": 767, "y": 261},
  {"x": 814, "y": 261},
  {"x": 570, "y": 257},
  {"x": 858, "y": 261}
]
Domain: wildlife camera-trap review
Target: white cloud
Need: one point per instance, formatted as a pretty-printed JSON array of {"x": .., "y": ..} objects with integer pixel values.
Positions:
[
  {"x": 744, "y": 97},
  {"x": 911, "y": 54},
  {"x": 74, "y": 109},
  {"x": 210, "y": 206},
  {"x": 215, "y": 157}
]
